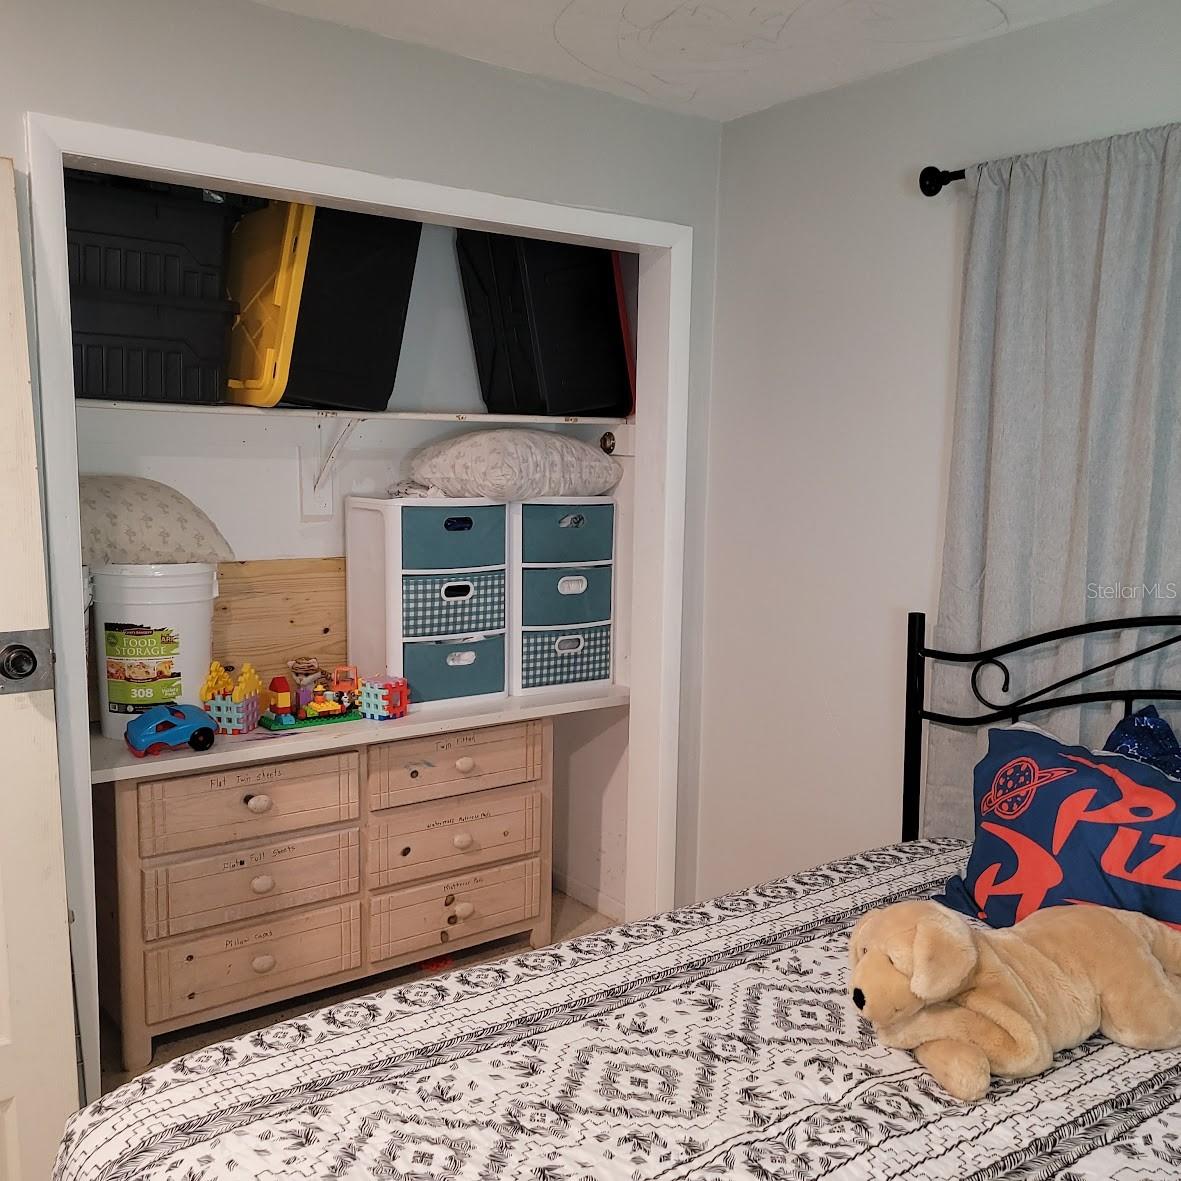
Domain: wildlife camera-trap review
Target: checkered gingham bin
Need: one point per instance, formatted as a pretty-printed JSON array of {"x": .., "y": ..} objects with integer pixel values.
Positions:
[
  {"x": 427, "y": 611},
  {"x": 543, "y": 664}
]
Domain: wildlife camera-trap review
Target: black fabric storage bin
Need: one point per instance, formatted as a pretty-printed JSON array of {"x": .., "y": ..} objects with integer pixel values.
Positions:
[
  {"x": 545, "y": 326},
  {"x": 352, "y": 312},
  {"x": 147, "y": 287}
]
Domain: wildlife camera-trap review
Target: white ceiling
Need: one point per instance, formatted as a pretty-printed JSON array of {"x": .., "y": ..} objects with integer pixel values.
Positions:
[{"x": 718, "y": 58}]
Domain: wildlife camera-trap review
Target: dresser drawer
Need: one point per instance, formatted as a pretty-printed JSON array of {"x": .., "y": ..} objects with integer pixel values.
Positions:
[
  {"x": 457, "y": 537},
  {"x": 559, "y": 596},
  {"x": 455, "y": 604},
  {"x": 214, "y": 970},
  {"x": 567, "y": 531},
  {"x": 443, "y": 670},
  {"x": 246, "y": 883},
  {"x": 562, "y": 656},
  {"x": 449, "y": 835},
  {"x": 211, "y": 809},
  {"x": 448, "y": 764},
  {"x": 432, "y": 915}
]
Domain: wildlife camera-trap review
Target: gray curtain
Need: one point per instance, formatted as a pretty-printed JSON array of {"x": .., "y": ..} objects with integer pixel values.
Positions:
[{"x": 1065, "y": 493}]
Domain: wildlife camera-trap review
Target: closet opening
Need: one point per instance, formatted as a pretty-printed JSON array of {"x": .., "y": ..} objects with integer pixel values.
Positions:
[{"x": 589, "y": 758}]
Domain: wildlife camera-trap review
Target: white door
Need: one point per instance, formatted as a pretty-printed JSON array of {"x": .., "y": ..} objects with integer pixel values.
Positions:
[{"x": 38, "y": 1075}]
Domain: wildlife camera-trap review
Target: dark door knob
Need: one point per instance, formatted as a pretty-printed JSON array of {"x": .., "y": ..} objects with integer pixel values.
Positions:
[{"x": 17, "y": 662}]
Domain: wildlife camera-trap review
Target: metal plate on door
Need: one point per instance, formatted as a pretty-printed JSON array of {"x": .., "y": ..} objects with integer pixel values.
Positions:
[{"x": 26, "y": 661}]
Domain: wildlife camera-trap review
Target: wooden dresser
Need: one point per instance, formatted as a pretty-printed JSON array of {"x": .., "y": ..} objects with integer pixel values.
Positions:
[{"x": 240, "y": 886}]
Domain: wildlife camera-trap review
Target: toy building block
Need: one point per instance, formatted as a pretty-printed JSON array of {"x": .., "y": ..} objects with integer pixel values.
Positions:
[
  {"x": 323, "y": 704},
  {"x": 282, "y": 699},
  {"x": 249, "y": 683},
  {"x": 217, "y": 683},
  {"x": 235, "y": 707},
  {"x": 309, "y": 697},
  {"x": 384, "y": 698},
  {"x": 287, "y": 722}
]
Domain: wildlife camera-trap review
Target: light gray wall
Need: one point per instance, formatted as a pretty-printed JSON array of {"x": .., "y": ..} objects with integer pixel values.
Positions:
[
  {"x": 437, "y": 365},
  {"x": 837, "y": 313},
  {"x": 235, "y": 73}
]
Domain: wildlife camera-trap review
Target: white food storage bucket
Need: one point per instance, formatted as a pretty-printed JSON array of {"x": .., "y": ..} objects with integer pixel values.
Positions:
[{"x": 153, "y": 637}]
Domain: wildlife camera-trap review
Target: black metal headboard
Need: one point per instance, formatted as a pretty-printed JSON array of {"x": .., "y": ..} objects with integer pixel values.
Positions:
[{"x": 1047, "y": 697}]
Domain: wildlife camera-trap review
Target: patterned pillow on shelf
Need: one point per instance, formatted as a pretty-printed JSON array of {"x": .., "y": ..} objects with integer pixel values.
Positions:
[
  {"x": 128, "y": 519},
  {"x": 515, "y": 465},
  {"x": 1060, "y": 825}
]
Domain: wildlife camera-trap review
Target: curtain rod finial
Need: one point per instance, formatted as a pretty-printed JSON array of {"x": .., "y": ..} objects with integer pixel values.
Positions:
[{"x": 932, "y": 179}]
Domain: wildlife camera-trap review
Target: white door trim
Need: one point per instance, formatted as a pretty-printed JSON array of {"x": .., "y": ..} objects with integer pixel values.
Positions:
[
  {"x": 660, "y": 461},
  {"x": 38, "y": 1076}
]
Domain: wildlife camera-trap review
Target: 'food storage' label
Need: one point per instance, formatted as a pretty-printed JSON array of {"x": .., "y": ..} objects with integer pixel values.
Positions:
[{"x": 141, "y": 666}]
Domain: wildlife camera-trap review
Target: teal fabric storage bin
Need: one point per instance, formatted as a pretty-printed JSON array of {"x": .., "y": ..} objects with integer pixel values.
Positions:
[
  {"x": 441, "y": 670},
  {"x": 463, "y": 537},
  {"x": 457, "y": 603},
  {"x": 561, "y": 533},
  {"x": 553, "y": 596},
  {"x": 561, "y": 577},
  {"x": 424, "y": 570},
  {"x": 565, "y": 656}
]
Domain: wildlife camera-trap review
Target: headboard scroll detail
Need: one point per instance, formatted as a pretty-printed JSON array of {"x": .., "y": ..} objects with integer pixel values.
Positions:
[{"x": 1039, "y": 700}]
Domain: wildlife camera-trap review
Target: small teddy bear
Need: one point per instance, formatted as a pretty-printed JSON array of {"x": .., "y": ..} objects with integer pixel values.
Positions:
[{"x": 974, "y": 1002}]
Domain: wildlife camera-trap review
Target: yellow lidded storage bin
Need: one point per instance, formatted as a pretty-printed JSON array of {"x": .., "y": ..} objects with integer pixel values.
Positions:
[{"x": 268, "y": 262}]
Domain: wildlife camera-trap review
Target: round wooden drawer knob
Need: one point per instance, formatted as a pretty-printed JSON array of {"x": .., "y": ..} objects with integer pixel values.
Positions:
[
  {"x": 262, "y": 963},
  {"x": 263, "y": 884},
  {"x": 464, "y": 910},
  {"x": 465, "y": 764},
  {"x": 462, "y": 840},
  {"x": 258, "y": 804}
]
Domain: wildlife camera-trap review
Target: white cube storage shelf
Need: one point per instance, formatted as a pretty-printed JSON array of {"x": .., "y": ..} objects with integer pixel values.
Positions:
[
  {"x": 561, "y": 593},
  {"x": 427, "y": 594},
  {"x": 476, "y": 598}
]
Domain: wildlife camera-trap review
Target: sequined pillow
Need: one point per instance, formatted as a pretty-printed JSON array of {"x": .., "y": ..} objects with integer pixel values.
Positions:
[{"x": 1148, "y": 737}]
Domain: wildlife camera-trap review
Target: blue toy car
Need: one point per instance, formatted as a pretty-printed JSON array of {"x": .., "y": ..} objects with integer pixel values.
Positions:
[{"x": 166, "y": 727}]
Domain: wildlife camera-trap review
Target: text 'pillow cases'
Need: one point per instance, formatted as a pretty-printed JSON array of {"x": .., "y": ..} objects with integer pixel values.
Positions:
[{"x": 1062, "y": 825}]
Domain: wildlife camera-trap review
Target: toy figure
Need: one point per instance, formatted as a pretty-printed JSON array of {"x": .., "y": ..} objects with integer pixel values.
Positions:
[{"x": 306, "y": 671}]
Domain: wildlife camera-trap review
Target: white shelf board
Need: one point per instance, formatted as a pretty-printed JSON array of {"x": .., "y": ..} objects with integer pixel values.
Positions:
[
  {"x": 231, "y": 410},
  {"x": 110, "y": 760}
]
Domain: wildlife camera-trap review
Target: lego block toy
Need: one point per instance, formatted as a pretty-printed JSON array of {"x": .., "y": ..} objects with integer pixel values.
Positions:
[
  {"x": 384, "y": 698},
  {"x": 234, "y": 706},
  {"x": 314, "y": 700},
  {"x": 282, "y": 707}
]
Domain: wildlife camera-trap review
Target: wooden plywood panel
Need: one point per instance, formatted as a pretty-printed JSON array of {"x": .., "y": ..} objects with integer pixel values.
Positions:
[{"x": 269, "y": 612}]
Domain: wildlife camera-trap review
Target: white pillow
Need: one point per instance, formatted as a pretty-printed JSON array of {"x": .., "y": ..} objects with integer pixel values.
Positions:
[
  {"x": 515, "y": 465},
  {"x": 127, "y": 519}
]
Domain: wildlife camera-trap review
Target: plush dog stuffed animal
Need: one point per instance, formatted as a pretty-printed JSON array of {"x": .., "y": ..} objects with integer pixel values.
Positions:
[{"x": 973, "y": 1003}]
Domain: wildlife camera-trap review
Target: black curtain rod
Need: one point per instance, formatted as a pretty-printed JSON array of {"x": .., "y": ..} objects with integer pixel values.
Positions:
[{"x": 932, "y": 179}]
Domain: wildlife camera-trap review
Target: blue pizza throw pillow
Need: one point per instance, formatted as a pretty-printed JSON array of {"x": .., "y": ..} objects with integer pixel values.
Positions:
[
  {"x": 1148, "y": 737},
  {"x": 1061, "y": 825}
]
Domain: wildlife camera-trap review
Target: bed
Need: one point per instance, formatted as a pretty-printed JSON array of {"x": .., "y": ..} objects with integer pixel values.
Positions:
[{"x": 715, "y": 1041}]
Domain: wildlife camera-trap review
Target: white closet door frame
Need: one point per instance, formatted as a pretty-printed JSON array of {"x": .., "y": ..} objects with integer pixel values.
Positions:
[
  {"x": 38, "y": 1073},
  {"x": 662, "y": 395}
]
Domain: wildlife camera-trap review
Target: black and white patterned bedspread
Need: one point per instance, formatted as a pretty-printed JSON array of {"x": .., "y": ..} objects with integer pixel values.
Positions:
[{"x": 713, "y": 1042}]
